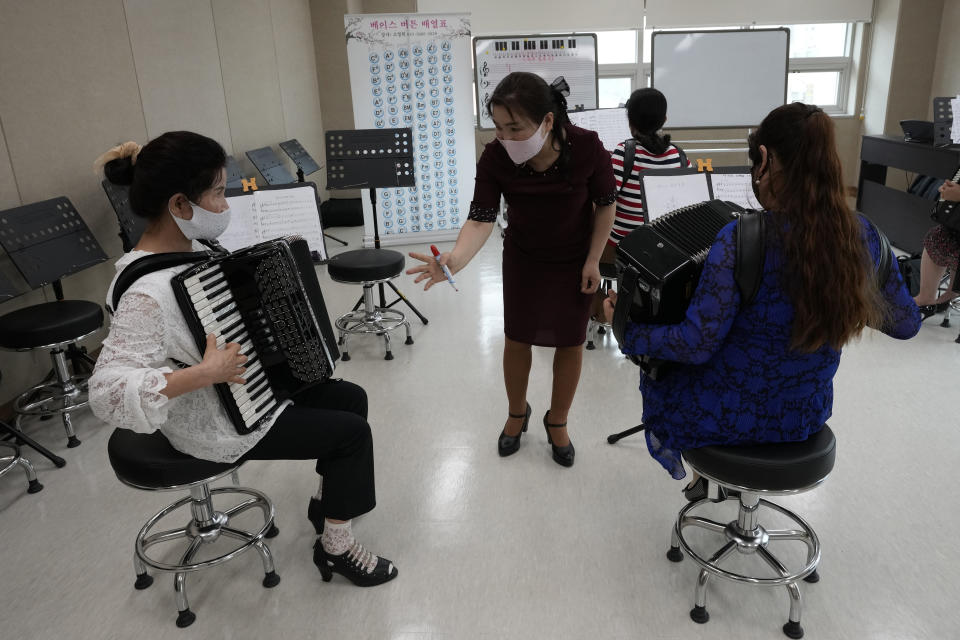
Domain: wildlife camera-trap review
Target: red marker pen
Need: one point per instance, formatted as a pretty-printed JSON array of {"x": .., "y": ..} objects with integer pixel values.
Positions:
[{"x": 446, "y": 271}]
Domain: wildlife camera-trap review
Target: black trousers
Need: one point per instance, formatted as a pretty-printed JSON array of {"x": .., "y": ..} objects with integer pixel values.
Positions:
[{"x": 328, "y": 423}]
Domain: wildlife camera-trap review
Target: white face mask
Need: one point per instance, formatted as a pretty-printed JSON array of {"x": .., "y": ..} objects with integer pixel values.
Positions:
[
  {"x": 522, "y": 150},
  {"x": 204, "y": 225}
]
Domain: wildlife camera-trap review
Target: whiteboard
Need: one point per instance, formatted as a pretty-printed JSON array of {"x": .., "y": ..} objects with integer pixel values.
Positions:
[
  {"x": 611, "y": 125},
  {"x": 720, "y": 78},
  {"x": 573, "y": 56}
]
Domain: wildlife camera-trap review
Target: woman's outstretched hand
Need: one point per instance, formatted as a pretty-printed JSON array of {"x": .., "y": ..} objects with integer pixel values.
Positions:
[
  {"x": 608, "y": 306},
  {"x": 430, "y": 270}
]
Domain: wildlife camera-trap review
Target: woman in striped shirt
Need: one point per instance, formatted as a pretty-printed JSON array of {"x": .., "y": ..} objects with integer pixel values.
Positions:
[{"x": 646, "y": 113}]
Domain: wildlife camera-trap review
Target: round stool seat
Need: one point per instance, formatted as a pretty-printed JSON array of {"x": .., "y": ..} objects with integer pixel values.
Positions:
[
  {"x": 775, "y": 466},
  {"x": 365, "y": 265},
  {"x": 49, "y": 323},
  {"x": 148, "y": 461}
]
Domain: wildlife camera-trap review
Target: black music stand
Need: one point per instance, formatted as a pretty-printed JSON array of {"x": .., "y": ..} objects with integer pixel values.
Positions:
[
  {"x": 371, "y": 159},
  {"x": 234, "y": 175},
  {"x": 131, "y": 226},
  {"x": 305, "y": 166},
  {"x": 270, "y": 166}
]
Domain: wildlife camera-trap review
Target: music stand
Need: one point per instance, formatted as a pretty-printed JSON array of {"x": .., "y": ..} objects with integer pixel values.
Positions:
[
  {"x": 131, "y": 226},
  {"x": 371, "y": 159},
  {"x": 305, "y": 166},
  {"x": 234, "y": 175},
  {"x": 270, "y": 166}
]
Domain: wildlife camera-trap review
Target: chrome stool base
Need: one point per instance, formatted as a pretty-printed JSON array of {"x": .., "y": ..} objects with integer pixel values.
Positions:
[
  {"x": 60, "y": 394},
  {"x": 371, "y": 319},
  {"x": 746, "y": 536},
  {"x": 206, "y": 526},
  {"x": 16, "y": 460}
]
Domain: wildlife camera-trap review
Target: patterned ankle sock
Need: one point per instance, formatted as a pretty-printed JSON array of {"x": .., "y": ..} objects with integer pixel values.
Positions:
[{"x": 337, "y": 538}]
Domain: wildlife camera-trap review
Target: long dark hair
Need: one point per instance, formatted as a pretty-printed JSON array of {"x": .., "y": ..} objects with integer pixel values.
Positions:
[
  {"x": 530, "y": 95},
  {"x": 647, "y": 113},
  {"x": 828, "y": 271},
  {"x": 175, "y": 162}
]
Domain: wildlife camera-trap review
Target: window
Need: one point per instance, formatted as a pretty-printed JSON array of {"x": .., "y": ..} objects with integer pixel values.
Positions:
[
  {"x": 614, "y": 91},
  {"x": 619, "y": 73}
]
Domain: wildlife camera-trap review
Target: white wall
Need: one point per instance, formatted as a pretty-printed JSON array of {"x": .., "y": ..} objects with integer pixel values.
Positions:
[{"x": 78, "y": 77}]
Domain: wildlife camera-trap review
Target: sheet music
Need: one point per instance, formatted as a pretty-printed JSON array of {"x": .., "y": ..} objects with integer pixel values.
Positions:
[
  {"x": 955, "y": 126},
  {"x": 666, "y": 193},
  {"x": 274, "y": 213},
  {"x": 610, "y": 124},
  {"x": 243, "y": 228},
  {"x": 735, "y": 188}
]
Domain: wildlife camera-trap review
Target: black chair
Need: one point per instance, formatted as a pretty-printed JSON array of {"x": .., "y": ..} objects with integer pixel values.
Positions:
[
  {"x": 755, "y": 470},
  {"x": 369, "y": 267},
  {"x": 149, "y": 463},
  {"x": 47, "y": 241}
]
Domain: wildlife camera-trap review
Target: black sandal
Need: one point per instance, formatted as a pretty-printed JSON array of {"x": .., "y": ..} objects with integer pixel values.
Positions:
[
  {"x": 351, "y": 565},
  {"x": 508, "y": 445},
  {"x": 561, "y": 455}
]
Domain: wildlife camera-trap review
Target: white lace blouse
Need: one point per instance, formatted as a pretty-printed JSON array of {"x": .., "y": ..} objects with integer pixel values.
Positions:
[{"x": 148, "y": 332}]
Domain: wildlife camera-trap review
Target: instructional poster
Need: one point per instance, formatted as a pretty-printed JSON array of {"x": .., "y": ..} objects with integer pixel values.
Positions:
[
  {"x": 413, "y": 70},
  {"x": 573, "y": 56}
]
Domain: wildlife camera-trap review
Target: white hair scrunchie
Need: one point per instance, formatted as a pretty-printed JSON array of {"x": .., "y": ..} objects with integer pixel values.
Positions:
[{"x": 128, "y": 149}]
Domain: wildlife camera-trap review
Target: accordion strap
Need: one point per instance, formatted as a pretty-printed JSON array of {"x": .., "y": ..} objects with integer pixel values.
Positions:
[
  {"x": 751, "y": 252},
  {"x": 148, "y": 264}
]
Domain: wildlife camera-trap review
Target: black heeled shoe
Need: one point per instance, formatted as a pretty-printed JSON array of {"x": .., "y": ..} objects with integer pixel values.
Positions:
[
  {"x": 928, "y": 310},
  {"x": 508, "y": 445},
  {"x": 561, "y": 455},
  {"x": 315, "y": 515},
  {"x": 350, "y": 564}
]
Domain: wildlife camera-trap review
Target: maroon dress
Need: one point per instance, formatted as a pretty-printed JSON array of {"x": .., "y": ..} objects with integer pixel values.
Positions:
[{"x": 551, "y": 217}]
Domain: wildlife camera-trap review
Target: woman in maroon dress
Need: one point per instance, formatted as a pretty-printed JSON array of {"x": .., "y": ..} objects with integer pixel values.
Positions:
[{"x": 560, "y": 191}]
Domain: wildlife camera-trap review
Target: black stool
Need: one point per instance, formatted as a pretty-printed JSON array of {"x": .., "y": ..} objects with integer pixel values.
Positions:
[
  {"x": 782, "y": 468},
  {"x": 148, "y": 462},
  {"x": 8, "y": 462},
  {"x": 56, "y": 326},
  {"x": 369, "y": 267}
]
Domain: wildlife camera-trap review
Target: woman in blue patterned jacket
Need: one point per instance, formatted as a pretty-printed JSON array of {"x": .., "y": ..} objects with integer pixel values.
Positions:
[{"x": 764, "y": 372}]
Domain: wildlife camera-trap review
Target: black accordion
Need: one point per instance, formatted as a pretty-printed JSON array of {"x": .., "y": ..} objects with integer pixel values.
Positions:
[
  {"x": 267, "y": 299},
  {"x": 660, "y": 265},
  {"x": 946, "y": 212}
]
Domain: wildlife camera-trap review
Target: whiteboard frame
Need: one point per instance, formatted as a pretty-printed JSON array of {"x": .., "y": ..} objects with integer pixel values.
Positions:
[
  {"x": 786, "y": 68},
  {"x": 533, "y": 36}
]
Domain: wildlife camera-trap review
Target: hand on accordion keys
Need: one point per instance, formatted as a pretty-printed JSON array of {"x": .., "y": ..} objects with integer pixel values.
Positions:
[{"x": 223, "y": 364}]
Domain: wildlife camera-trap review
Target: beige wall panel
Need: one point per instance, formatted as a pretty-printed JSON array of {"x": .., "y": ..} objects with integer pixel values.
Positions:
[
  {"x": 297, "y": 68},
  {"x": 68, "y": 91},
  {"x": 9, "y": 196},
  {"x": 251, "y": 83},
  {"x": 913, "y": 63},
  {"x": 946, "y": 75},
  {"x": 178, "y": 67}
]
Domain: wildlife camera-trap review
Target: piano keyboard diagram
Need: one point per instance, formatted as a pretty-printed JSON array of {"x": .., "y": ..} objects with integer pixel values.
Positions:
[{"x": 573, "y": 56}]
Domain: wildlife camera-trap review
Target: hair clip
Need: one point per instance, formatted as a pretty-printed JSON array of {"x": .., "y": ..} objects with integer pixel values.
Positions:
[{"x": 560, "y": 85}]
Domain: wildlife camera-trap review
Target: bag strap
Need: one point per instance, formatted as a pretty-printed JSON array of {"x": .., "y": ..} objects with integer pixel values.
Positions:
[
  {"x": 683, "y": 158},
  {"x": 629, "y": 157},
  {"x": 148, "y": 264},
  {"x": 751, "y": 252},
  {"x": 885, "y": 264}
]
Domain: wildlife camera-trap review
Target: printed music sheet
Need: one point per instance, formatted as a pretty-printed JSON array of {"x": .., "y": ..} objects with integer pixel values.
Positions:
[
  {"x": 610, "y": 124},
  {"x": 274, "y": 213},
  {"x": 666, "y": 193},
  {"x": 735, "y": 188}
]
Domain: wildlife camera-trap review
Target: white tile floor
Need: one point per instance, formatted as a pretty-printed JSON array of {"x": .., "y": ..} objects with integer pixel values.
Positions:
[{"x": 517, "y": 547}]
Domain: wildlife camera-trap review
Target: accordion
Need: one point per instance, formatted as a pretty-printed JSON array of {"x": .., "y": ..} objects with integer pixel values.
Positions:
[
  {"x": 660, "y": 265},
  {"x": 267, "y": 299},
  {"x": 946, "y": 212}
]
